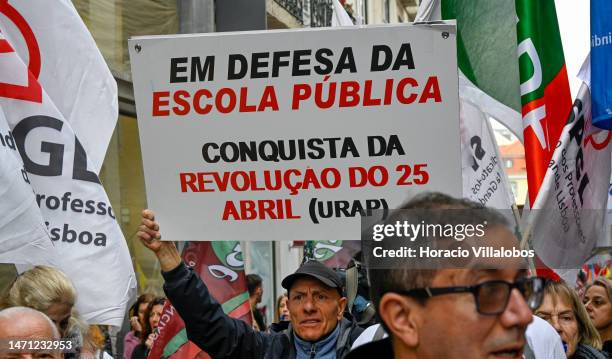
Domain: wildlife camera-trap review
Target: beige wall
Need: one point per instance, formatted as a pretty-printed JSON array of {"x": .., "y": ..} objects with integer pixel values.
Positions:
[
  {"x": 123, "y": 178},
  {"x": 376, "y": 12},
  {"x": 112, "y": 22}
]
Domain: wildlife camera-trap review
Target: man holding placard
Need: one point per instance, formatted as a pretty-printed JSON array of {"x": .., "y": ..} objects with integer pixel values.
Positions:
[{"x": 316, "y": 304}]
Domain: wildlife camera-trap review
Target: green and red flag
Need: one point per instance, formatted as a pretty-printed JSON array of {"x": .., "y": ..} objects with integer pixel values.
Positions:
[
  {"x": 488, "y": 37},
  {"x": 488, "y": 88},
  {"x": 220, "y": 265},
  {"x": 529, "y": 96},
  {"x": 545, "y": 95},
  {"x": 486, "y": 54},
  {"x": 333, "y": 254}
]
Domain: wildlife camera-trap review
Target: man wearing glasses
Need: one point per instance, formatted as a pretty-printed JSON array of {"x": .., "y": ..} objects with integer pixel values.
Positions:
[{"x": 478, "y": 308}]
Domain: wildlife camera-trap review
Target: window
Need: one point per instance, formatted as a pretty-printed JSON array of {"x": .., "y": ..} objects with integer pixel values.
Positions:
[
  {"x": 386, "y": 11},
  {"x": 508, "y": 163}
]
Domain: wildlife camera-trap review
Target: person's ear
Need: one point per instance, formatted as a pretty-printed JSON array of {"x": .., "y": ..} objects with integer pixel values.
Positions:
[
  {"x": 341, "y": 306},
  {"x": 401, "y": 315}
]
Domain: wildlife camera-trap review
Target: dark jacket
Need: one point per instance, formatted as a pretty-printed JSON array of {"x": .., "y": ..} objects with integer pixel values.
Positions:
[
  {"x": 587, "y": 352},
  {"x": 607, "y": 348},
  {"x": 140, "y": 352},
  {"x": 379, "y": 349},
  {"x": 224, "y": 337},
  {"x": 383, "y": 349}
]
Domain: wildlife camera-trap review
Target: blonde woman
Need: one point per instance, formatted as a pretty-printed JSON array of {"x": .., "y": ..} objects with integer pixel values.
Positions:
[
  {"x": 47, "y": 290},
  {"x": 562, "y": 308},
  {"x": 282, "y": 310},
  {"x": 598, "y": 302}
]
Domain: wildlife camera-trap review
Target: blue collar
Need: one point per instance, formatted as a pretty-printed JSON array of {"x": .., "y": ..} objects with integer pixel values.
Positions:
[{"x": 322, "y": 349}]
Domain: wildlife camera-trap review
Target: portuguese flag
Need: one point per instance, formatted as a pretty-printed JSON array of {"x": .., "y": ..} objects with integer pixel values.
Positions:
[
  {"x": 545, "y": 95},
  {"x": 221, "y": 266}
]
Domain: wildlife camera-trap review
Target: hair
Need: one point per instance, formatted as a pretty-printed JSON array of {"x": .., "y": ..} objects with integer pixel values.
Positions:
[
  {"x": 587, "y": 333},
  {"x": 604, "y": 283},
  {"x": 94, "y": 340},
  {"x": 278, "y": 302},
  {"x": 143, "y": 298},
  {"x": 146, "y": 326},
  {"x": 253, "y": 281},
  {"x": 435, "y": 206},
  {"x": 39, "y": 288},
  {"x": 19, "y": 313}
]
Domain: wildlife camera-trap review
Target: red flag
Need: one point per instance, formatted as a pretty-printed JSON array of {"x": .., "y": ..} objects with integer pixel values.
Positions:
[{"x": 221, "y": 267}]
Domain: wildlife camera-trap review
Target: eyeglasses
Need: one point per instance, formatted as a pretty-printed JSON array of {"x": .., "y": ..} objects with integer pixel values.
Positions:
[{"x": 491, "y": 297}]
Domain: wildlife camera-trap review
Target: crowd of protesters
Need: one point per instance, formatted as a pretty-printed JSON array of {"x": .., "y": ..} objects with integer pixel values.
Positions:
[
  {"x": 424, "y": 313},
  {"x": 471, "y": 312}
]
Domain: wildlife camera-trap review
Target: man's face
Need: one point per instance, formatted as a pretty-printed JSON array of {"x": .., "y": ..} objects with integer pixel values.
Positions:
[
  {"x": 454, "y": 321},
  {"x": 315, "y": 308},
  {"x": 449, "y": 326},
  {"x": 465, "y": 332},
  {"x": 28, "y": 328}
]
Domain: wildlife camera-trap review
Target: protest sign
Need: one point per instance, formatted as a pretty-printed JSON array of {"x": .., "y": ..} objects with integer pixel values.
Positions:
[{"x": 268, "y": 135}]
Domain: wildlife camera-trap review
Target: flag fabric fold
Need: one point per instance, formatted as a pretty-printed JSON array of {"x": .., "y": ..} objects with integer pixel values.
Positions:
[
  {"x": 90, "y": 246},
  {"x": 484, "y": 179},
  {"x": 23, "y": 234},
  {"x": 568, "y": 218},
  {"x": 339, "y": 16},
  {"x": 486, "y": 52},
  {"x": 72, "y": 70}
]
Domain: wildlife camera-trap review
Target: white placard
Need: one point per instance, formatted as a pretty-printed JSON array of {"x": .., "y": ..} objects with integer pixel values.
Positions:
[{"x": 269, "y": 135}]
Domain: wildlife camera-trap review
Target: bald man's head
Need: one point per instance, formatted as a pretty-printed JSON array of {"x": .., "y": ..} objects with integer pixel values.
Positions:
[{"x": 27, "y": 324}]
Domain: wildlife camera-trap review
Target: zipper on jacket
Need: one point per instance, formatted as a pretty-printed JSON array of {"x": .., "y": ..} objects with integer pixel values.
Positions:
[{"x": 313, "y": 351}]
